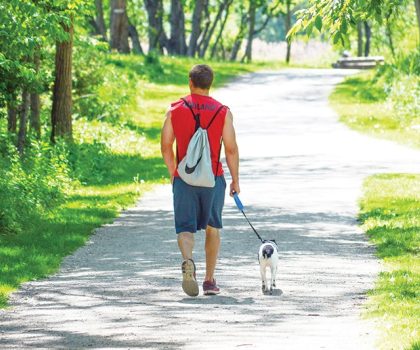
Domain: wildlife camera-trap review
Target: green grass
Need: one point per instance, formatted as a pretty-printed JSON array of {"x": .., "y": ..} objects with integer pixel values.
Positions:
[
  {"x": 384, "y": 104},
  {"x": 115, "y": 158},
  {"x": 362, "y": 104},
  {"x": 390, "y": 214}
]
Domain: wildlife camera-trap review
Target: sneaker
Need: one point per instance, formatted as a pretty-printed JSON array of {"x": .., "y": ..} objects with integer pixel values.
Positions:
[
  {"x": 189, "y": 283},
  {"x": 210, "y": 287}
]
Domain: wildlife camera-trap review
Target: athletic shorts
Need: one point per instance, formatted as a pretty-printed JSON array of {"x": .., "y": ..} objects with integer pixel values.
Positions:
[{"x": 197, "y": 207}]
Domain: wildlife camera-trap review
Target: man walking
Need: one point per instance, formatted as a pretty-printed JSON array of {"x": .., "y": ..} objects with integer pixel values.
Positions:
[{"x": 197, "y": 208}]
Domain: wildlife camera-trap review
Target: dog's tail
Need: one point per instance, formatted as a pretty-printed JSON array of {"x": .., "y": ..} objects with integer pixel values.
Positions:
[{"x": 267, "y": 251}]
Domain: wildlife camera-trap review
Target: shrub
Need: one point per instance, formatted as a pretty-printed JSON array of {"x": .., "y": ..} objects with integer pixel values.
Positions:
[{"x": 32, "y": 185}]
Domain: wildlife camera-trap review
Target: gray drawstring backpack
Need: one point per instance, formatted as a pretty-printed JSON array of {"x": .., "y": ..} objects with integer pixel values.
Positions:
[{"x": 196, "y": 168}]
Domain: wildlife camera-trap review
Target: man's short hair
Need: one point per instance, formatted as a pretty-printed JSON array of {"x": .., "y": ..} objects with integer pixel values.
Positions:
[{"x": 201, "y": 76}]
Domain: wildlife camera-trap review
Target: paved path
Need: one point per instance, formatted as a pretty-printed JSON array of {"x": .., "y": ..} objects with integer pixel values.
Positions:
[{"x": 301, "y": 177}]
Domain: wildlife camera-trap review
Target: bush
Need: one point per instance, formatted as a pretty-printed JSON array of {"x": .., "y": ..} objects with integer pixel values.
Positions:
[
  {"x": 401, "y": 83},
  {"x": 32, "y": 185}
]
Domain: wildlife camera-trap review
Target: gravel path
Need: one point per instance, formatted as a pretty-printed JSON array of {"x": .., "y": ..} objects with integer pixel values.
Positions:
[{"x": 301, "y": 177}]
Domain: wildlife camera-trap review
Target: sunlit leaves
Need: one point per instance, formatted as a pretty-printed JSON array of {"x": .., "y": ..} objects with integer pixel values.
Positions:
[{"x": 337, "y": 16}]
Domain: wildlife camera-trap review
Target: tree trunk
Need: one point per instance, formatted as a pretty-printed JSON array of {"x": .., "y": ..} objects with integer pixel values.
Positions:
[
  {"x": 119, "y": 26},
  {"x": 222, "y": 27},
  {"x": 251, "y": 29},
  {"x": 204, "y": 33},
  {"x": 417, "y": 5},
  {"x": 35, "y": 122},
  {"x": 99, "y": 20},
  {"x": 206, "y": 40},
  {"x": 157, "y": 36},
  {"x": 23, "y": 118},
  {"x": 196, "y": 27},
  {"x": 388, "y": 32},
  {"x": 359, "y": 39},
  {"x": 177, "y": 44},
  {"x": 368, "y": 34},
  {"x": 11, "y": 117},
  {"x": 288, "y": 25},
  {"x": 61, "y": 121},
  {"x": 135, "y": 41}
]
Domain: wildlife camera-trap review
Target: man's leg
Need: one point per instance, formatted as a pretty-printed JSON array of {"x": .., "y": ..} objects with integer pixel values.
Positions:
[
  {"x": 186, "y": 244},
  {"x": 212, "y": 251}
]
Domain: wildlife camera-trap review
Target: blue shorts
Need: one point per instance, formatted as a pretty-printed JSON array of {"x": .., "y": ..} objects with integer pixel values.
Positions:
[{"x": 197, "y": 207}]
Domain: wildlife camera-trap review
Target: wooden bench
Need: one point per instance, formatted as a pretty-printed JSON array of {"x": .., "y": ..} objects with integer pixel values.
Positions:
[{"x": 358, "y": 62}]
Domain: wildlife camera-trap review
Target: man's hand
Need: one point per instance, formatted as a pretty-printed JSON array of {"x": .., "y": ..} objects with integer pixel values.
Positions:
[{"x": 234, "y": 188}]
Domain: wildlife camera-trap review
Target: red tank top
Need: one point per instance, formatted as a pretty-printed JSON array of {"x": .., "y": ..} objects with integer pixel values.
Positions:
[{"x": 183, "y": 124}]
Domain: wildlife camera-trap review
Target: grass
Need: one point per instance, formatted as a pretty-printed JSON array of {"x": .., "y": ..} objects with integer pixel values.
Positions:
[
  {"x": 115, "y": 158},
  {"x": 362, "y": 104},
  {"x": 390, "y": 214},
  {"x": 389, "y": 209}
]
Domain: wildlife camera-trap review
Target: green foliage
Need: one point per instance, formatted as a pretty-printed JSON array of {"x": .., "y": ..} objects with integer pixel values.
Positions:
[
  {"x": 338, "y": 17},
  {"x": 89, "y": 74},
  {"x": 384, "y": 103},
  {"x": 31, "y": 186},
  {"x": 390, "y": 214}
]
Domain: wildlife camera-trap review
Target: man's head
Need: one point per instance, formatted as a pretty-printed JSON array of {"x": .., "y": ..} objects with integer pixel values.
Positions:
[{"x": 201, "y": 77}]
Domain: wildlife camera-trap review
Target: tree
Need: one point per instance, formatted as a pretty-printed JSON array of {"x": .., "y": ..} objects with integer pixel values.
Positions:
[
  {"x": 339, "y": 16},
  {"x": 221, "y": 29},
  {"x": 241, "y": 32},
  {"x": 23, "y": 118},
  {"x": 270, "y": 10},
  {"x": 223, "y": 8},
  {"x": 196, "y": 26},
  {"x": 157, "y": 36},
  {"x": 61, "y": 120},
  {"x": 177, "y": 44},
  {"x": 288, "y": 25},
  {"x": 368, "y": 35},
  {"x": 35, "y": 101},
  {"x": 134, "y": 36},
  {"x": 99, "y": 20},
  {"x": 119, "y": 26}
]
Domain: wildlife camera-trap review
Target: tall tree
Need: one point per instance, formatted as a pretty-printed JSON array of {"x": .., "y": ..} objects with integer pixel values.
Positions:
[
  {"x": 11, "y": 117},
  {"x": 23, "y": 118},
  {"x": 196, "y": 26},
  {"x": 269, "y": 9},
  {"x": 35, "y": 122},
  {"x": 99, "y": 19},
  {"x": 157, "y": 36},
  {"x": 223, "y": 7},
  {"x": 417, "y": 5},
  {"x": 368, "y": 35},
  {"x": 177, "y": 44},
  {"x": 241, "y": 32},
  {"x": 134, "y": 36},
  {"x": 221, "y": 29},
  {"x": 119, "y": 26},
  {"x": 288, "y": 25},
  {"x": 359, "y": 39},
  {"x": 61, "y": 121},
  {"x": 251, "y": 28}
]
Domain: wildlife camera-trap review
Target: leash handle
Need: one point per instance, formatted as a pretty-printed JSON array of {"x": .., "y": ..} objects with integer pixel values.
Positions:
[
  {"x": 241, "y": 208},
  {"x": 238, "y": 201}
]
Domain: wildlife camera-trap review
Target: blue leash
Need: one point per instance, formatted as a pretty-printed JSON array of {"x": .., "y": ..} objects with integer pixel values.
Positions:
[{"x": 241, "y": 208}]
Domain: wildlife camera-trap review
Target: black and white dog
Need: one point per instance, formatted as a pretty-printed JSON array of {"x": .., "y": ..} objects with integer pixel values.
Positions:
[{"x": 268, "y": 256}]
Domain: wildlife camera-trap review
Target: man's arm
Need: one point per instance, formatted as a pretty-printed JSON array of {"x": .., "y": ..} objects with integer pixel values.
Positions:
[
  {"x": 231, "y": 152},
  {"x": 167, "y": 139}
]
